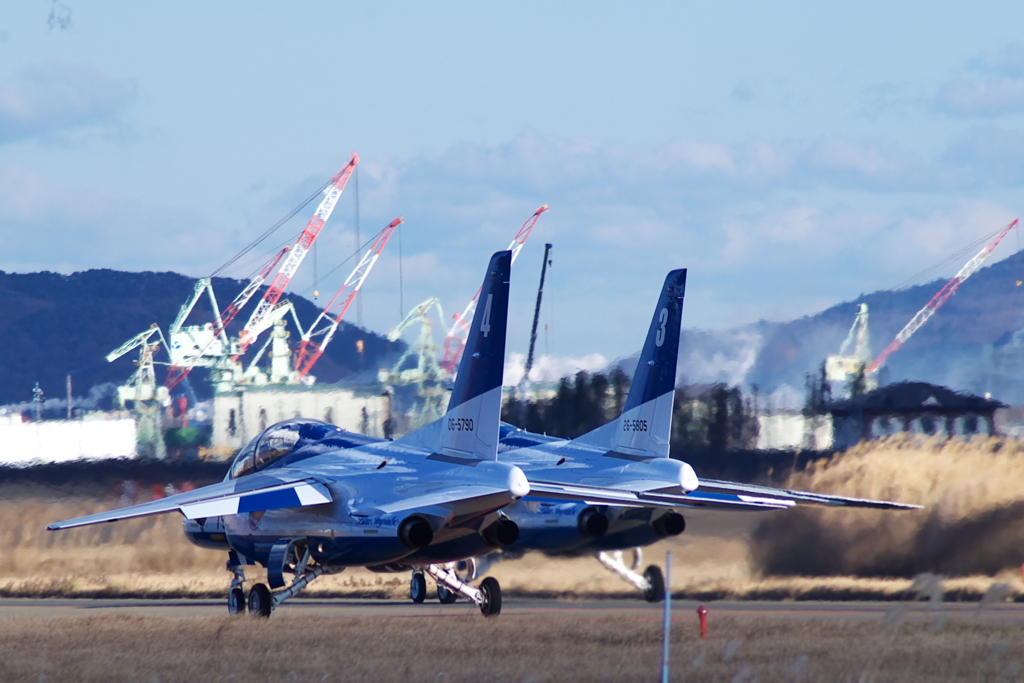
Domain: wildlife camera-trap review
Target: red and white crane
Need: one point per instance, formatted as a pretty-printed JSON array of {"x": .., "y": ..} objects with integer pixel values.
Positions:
[
  {"x": 297, "y": 254},
  {"x": 254, "y": 284},
  {"x": 455, "y": 342},
  {"x": 939, "y": 299},
  {"x": 330, "y": 317},
  {"x": 207, "y": 345}
]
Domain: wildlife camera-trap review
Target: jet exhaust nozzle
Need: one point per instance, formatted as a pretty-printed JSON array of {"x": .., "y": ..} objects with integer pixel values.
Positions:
[
  {"x": 415, "y": 532},
  {"x": 501, "y": 533},
  {"x": 669, "y": 524},
  {"x": 593, "y": 522}
]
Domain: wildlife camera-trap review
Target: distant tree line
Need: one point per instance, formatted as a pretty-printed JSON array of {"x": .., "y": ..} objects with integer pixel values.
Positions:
[{"x": 713, "y": 416}]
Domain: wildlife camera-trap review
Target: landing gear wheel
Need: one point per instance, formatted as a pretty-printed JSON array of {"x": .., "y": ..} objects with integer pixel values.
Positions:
[
  {"x": 236, "y": 601},
  {"x": 491, "y": 592},
  {"x": 260, "y": 601},
  {"x": 446, "y": 596},
  {"x": 655, "y": 591},
  {"x": 418, "y": 588}
]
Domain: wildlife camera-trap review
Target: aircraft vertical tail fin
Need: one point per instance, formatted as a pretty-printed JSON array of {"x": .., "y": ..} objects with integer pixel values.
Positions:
[
  {"x": 469, "y": 429},
  {"x": 645, "y": 426}
]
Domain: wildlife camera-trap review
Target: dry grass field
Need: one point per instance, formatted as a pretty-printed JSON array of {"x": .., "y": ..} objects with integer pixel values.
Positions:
[
  {"x": 970, "y": 531},
  {"x": 470, "y": 648},
  {"x": 973, "y": 521}
]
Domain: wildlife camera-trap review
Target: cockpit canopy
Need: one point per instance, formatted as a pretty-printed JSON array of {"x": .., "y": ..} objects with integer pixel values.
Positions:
[{"x": 277, "y": 441}]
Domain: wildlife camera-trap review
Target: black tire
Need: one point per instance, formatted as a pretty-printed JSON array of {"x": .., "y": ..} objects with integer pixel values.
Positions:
[
  {"x": 418, "y": 587},
  {"x": 655, "y": 591},
  {"x": 491, "y": 605},
  {"x": 236, "y": 600},
  {"x": 446, "y": 596},
  {"x": 260, "y": 601}
]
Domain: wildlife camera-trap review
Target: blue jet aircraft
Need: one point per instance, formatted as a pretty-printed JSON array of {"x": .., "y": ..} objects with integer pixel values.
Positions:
[
  {"x": 308, "y": 498},
  {"x": 633, "y": 488}
]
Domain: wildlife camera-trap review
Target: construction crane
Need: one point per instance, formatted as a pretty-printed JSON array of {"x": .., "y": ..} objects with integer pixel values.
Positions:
[
  {"x": 141, "y": 386},
  {"x": 209, "y": 345},
  {"x": 536, "y": 319},
  {"x": 254, "y": 284},
  {"x": 844, "y": 366},
  {"x": 326, "y": 324},
  {"x": 455, "y": 341},
  {"x": 142, "y": 392},
  {"x": 939, "y": 299},
  {"x": 428, "y": 376},
  {"x": 297, "y": 253}
]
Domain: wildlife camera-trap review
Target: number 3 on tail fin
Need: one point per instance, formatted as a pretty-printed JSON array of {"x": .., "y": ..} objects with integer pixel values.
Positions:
[
  {"x": 659, "y": 339},
  {"x": 485, "y": 324}
]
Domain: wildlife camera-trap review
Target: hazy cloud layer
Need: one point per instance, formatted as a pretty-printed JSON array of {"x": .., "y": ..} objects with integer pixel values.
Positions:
[
  {"x": 770, "y": 230},
  {"x": 51, "y": 101},
  {"x": 994, "y": 86}
]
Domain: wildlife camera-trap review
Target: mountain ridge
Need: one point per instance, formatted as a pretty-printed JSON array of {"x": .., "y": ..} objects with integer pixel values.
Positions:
[{"x": 53, "y": 325}]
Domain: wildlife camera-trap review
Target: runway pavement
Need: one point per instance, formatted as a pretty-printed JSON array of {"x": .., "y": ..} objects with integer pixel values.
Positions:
[{"x": 683, "y": 610}]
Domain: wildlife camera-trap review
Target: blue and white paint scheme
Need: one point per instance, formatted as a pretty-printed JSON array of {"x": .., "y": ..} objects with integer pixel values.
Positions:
[
  {"x": 633, "y": 490},
  {"x": 643, "y": 430},
  {"x": 308, "y": 498}
]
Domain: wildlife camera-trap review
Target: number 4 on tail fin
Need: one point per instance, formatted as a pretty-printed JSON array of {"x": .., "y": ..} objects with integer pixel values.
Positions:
[{"x": 469, "y": 429}]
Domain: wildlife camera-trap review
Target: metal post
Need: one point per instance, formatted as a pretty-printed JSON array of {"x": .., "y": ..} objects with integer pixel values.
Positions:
[{"x": 668, "y": 617}]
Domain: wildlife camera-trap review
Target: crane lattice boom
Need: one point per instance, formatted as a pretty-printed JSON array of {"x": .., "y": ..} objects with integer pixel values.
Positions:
[
  {"x": 254, "y": 284},
  {"x": 939, "y": 299},
  {"x": 298, "y": 252},
  {"x": 309, "y": 351}
]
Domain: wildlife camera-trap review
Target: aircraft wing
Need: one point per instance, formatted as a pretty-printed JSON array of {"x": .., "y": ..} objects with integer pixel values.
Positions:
[
  {"x": 711, "y": 494},
  {"x": 595, "y": 495},
  {"x": 799, "y": 497},
  {"x": 452, "y": 494},
  {"x": 248, "y": 494}
]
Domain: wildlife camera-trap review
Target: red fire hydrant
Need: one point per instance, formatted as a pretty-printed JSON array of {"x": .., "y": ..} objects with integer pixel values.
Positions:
[{"x": 702, "y": 612}]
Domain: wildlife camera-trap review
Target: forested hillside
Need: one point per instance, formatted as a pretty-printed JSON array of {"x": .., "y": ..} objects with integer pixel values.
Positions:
[
  {"x": 52, "y": 325},
  {"x": 968, "y": 345}
]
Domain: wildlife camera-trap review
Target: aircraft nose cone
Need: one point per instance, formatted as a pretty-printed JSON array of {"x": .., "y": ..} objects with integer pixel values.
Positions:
[
  {"x": 518, "y": 484},
  {"x": 688, "y": 479}
]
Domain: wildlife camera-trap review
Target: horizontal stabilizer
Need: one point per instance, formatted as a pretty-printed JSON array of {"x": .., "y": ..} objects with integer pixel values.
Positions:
[{"x": 250, "y": 494}]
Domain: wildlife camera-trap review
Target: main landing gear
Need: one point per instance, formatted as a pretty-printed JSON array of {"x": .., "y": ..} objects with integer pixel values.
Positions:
[
  {"x": 450, "y": 587},
  {"x": 651, "y": 582},
  {"x": 261, "y": 601}
]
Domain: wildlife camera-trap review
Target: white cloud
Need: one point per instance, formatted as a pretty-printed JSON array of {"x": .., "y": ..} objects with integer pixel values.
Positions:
[
  {"x": 47, "y": 225},
  {"x": 50, "y": 101},
  {"x": 768, "y": 229},
  {"x": 989, "y": 156},
  {"x": 919, "y": 241},
  {"x": 982, "y": 97}
]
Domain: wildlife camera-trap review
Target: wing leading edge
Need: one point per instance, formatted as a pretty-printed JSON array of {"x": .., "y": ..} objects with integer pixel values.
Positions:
[
  {"x": 226, "y": 498},
  {"x": 801, "y": 497},
  {"x": 711, "y": 494}
]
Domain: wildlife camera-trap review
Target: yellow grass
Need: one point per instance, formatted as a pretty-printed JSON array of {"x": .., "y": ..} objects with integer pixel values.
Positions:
[
  {"x": 973, "y": 493},
  {"x": 971, "y": 530}
]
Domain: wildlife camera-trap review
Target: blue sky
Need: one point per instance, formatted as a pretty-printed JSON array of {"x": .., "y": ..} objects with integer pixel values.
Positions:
[{"x": 792, "y": 155}]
